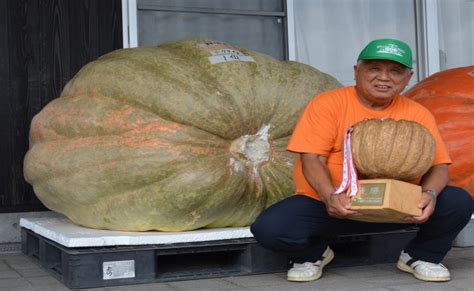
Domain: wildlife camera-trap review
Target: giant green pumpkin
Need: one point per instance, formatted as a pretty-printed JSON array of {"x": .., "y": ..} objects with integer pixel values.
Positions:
[{"x": 180, "y": 136}]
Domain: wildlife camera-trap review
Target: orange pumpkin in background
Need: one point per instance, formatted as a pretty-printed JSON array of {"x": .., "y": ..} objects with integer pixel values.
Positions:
[{"x": 449, "y": 95}]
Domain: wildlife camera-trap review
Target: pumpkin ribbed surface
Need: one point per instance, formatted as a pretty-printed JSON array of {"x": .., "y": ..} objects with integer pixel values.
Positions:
[
  {"x": 173, "y": 137},
  {"x": 402, "y": 150},
  {"x": 449, "y": 95}
]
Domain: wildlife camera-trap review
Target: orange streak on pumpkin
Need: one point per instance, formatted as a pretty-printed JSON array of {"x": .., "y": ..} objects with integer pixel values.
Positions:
[
  {"x": 125, "y": 119},
  {"x": 143, "y": 137},
  {"x": 81, "y": 143},
  {"x": 160, "y": 126},
  {"x": 59, "y": 117},
  {"x": 140, "y": 142}
]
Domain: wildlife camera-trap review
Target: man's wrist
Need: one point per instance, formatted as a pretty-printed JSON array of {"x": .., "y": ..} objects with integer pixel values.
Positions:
[
  {"x": 432, "y": 192},
  {"x": 326, "y": 196}
]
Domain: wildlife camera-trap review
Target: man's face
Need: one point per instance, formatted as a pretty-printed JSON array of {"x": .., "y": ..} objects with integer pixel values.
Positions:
[{"x": 379, "y": 81}]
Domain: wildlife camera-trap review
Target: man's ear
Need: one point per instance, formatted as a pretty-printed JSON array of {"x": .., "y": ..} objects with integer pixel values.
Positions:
[{"x": 411, "y": 75}]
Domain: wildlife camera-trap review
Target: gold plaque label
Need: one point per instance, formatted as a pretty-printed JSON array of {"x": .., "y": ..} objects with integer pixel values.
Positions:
[{"x": 372, "y": 195}]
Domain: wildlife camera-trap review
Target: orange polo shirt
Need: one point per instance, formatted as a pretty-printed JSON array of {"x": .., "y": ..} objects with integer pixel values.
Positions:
[{"x": 321, "y": 128}]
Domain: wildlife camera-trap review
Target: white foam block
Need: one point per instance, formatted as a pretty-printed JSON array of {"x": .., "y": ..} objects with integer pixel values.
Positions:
[
  {"x": 64, "y": 232},
  {"x": 466, "y": 237}
]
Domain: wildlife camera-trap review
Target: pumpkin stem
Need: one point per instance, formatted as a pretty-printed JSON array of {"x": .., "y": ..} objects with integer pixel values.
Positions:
[{"x": 252, "y": 148}]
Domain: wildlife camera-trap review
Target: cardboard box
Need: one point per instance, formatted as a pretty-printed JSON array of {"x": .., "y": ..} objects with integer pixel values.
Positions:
[{"x": 387, "y": 200}]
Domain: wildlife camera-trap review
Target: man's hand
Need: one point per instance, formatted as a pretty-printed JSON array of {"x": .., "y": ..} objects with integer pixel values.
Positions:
[
  {"x": 338, "y": 206},
  {"x": 427, "y": 205},
  {"x": 435, "y": 179},
  {"x": 317, "y": 175}
]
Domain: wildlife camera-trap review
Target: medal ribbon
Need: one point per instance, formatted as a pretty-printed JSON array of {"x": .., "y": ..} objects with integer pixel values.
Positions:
[{"x": 349, "y": 173}]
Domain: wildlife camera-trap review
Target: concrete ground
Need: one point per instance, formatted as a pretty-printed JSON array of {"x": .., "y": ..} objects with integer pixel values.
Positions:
[{"x": 19, "y": 272}]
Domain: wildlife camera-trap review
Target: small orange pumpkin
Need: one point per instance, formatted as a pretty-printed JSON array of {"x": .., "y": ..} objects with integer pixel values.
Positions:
[{"x": 449, "y": 95}]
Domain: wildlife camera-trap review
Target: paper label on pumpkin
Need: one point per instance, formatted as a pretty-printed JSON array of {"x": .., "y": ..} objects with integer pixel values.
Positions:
[
  {"x": 230, "y": 58},
  {"x": 222, "y": 52}
]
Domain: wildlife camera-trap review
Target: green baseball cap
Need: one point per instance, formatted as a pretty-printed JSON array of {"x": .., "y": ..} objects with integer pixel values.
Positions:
[{"x": 387, "y": 49}]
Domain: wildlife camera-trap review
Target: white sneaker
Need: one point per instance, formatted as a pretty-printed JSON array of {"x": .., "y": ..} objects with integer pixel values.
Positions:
[
  {"x": 423, "y": 270},
  {"x": 308, "y": 271}
]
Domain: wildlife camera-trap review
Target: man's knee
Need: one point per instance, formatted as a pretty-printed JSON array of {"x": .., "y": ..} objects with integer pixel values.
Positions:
[
  {"x": 265, "y": 231},
  {"x": 277, "y": 233},
  {"x": 289, "y": 224},
  {"x": 458, "y": 201},
  {"x": 258, "y": 228}
]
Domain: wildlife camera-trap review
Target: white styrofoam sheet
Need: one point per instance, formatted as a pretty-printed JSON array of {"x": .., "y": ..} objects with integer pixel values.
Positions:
[
  {"x": 64, "y": 232},
  {"x": 466, "y": 237}
]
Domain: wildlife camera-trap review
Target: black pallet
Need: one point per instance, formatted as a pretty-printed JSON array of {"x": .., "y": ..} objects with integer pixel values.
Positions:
[
  {"x": 370, "y": 248},
  {"x": 91, "y": 267}
]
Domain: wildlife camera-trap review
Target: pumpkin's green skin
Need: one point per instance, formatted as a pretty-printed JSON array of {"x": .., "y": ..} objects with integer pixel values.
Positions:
[{"x": 140, "y": 139}]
